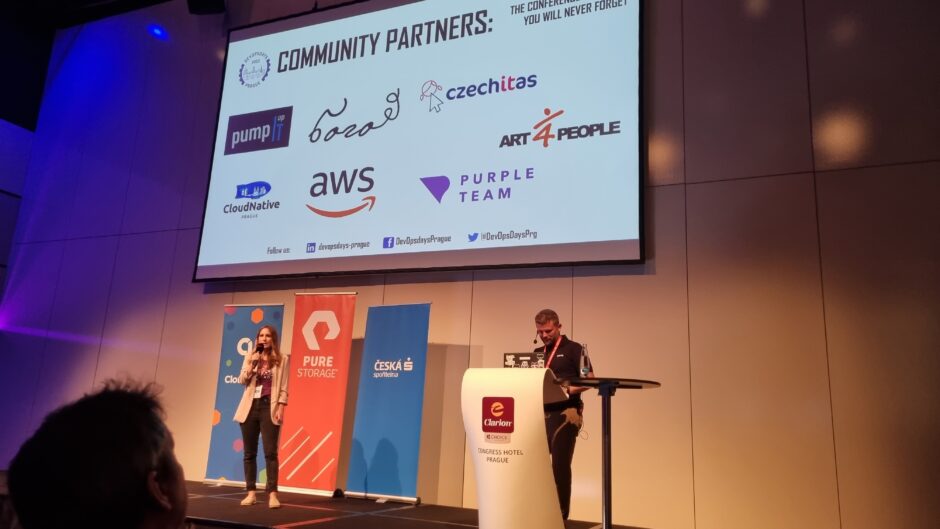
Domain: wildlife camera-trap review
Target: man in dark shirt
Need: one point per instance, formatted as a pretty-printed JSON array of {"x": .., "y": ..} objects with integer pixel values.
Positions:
[
  {"x": 105, "y": 461},
  {"x": 562, "y": 419}
]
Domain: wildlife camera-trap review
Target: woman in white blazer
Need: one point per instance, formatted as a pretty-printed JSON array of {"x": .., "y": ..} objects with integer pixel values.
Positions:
[{"x": 264, "y": 374}]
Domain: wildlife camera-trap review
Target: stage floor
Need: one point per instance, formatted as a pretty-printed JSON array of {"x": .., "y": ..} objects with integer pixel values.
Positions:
[{"x": 217, "y": 506}]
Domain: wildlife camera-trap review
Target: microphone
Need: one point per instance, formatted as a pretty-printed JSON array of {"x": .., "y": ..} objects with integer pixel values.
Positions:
[
  {"x": 536, "y": 339},
  {"x": 258, "y": 349}
]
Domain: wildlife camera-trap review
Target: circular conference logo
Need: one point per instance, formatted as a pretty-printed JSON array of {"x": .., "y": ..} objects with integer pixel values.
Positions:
[{"x": 254, "y": 69}]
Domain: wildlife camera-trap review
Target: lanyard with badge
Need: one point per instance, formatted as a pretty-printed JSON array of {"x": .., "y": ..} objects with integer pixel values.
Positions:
[{"x": 258, "y": 384}]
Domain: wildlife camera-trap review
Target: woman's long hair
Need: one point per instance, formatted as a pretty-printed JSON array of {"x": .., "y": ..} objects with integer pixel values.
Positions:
[{"x": 275, "y": 352}]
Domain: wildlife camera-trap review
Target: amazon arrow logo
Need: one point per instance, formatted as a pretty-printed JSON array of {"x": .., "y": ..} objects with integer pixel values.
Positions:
[
  {"x": 367, "y": 201},
  {"x": 317, "y": 317},
  {"x": 343, "y": 182}
]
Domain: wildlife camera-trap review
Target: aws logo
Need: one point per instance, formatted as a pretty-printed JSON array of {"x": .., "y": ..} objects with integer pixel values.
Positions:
[{"x": 327, "y": 186}]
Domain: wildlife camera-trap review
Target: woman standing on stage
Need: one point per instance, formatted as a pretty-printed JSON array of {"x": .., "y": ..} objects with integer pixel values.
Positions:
[{"x": 264, "y": 374}]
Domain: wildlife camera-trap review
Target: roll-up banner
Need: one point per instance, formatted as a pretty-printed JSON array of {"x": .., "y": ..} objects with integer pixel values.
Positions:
[
  {"x": 387, "y": 430},
  {"x": 313, "y": 422},
  {"x": 240, "y": 325}
]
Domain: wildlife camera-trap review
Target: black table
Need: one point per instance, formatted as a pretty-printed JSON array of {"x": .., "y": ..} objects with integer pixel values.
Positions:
[{"x": 606, "y": 387}]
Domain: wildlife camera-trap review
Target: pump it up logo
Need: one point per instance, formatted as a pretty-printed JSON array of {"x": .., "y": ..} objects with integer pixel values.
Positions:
[
  {"x": 254, "y": 69},
  {"x": 498, "y": 419},
  {"x": 258, "y": 131}
]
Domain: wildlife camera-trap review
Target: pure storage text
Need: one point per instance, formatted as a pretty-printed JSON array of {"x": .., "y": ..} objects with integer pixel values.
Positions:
[{"x": 317, "y": 366}]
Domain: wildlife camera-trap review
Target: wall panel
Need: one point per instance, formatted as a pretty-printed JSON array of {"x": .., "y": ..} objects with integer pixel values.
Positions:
[
  {"x": 635, "y": 322},
  {"x": 761, "y": 420},
  {"x": 746, "y": 101},
  {"x": 137, "y": 305},
  {"x": 881, "y": 260}
]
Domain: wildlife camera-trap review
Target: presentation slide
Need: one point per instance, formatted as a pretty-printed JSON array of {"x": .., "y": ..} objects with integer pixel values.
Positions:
[{"x": 438, "y": 134}]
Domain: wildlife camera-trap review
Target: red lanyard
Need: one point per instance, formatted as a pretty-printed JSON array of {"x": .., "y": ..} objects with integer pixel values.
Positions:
[{"x": 552, "y": 356}]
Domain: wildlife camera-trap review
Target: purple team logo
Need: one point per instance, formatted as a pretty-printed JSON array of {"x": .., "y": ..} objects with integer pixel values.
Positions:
[
  {"x": 258, "y": 131},
  {"x": 437, "y": 186}
]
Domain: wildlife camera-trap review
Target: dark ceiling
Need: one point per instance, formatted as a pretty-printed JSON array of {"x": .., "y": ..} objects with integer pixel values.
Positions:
[
  {"x": 28, "y": 26},
  {"x": 64, "y": 13}
]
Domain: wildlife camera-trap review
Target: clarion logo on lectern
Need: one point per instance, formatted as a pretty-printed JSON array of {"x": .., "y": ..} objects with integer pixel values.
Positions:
[{"x": 498, "y": 417}]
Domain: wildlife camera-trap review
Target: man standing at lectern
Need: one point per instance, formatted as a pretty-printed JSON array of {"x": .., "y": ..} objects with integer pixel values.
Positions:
[{"x": 562, "y": 419}]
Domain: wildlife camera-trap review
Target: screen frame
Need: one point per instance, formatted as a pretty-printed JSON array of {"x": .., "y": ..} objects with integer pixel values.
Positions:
[{"x": 353, "y": 8}]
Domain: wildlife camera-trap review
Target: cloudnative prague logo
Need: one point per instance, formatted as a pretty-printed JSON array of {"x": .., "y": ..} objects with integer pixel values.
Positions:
[
  {"x": 252, "y": 190},
  {"x": 543, "y": 131},
  {"x": 254, "y": 69}
]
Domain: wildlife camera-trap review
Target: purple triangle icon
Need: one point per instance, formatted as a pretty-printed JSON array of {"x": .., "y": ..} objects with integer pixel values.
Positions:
[{"x": 437, "y": 185}]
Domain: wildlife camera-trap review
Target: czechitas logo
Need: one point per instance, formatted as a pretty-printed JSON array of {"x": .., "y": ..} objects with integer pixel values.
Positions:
[
  {"x": 432, "y": 91},
  {"x": 254, "y": 69}
]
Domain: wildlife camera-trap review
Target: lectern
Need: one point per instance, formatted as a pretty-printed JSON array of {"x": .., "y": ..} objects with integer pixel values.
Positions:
[{"x": 505, "y": 424}]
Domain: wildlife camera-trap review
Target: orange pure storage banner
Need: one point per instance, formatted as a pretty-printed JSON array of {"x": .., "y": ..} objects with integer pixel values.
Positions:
[{"x": 313, "y": 422}]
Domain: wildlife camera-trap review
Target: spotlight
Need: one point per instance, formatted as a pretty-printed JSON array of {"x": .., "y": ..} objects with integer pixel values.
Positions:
[{"x": 157, "y": 31}]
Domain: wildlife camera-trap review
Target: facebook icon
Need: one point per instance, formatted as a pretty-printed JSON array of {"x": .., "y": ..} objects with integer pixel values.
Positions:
[{"x": 388, "y": 242}]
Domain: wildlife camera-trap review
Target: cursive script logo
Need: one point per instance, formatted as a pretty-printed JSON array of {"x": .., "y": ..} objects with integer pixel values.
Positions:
[{"x": 353, "y": 129}]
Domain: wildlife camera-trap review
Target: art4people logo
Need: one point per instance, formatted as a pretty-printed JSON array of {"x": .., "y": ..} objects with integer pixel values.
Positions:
[{"x": 546, "y": 132}]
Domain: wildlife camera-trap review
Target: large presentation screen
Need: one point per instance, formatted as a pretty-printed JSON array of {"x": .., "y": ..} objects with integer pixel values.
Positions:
[{"x": 428, "y": 135}]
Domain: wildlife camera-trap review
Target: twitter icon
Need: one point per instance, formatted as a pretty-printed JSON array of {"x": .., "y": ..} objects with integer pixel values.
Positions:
[{"x": 473, "y": 236}]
